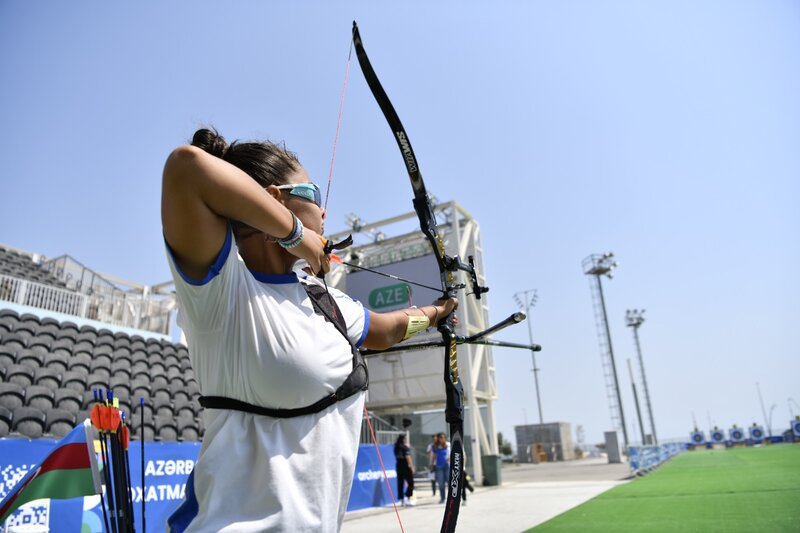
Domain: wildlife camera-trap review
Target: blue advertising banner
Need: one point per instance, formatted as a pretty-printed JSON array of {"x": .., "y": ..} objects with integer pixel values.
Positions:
[
  {"x": 369, "y": 486},
  {"x": 167, "y": 467},
  {"x": 647, "y": 457}
]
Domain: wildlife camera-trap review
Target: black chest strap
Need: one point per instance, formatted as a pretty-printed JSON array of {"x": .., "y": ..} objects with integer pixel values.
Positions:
[{"x": 357, "y": 380}]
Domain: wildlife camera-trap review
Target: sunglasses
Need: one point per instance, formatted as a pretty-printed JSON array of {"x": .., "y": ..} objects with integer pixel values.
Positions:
[{"x": 307, "y": 191}]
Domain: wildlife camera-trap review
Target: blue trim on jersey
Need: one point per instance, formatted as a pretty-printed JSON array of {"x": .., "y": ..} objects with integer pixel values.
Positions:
[
  {"x": 366, "y": 328},
  {"x": 186, "y": 511},
  {"x": 275, "y": 278},
  {"x": 214, "y": 269}
]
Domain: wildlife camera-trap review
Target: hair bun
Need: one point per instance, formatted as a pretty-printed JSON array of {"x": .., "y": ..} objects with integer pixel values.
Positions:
[{"x": 210, "y": 141}]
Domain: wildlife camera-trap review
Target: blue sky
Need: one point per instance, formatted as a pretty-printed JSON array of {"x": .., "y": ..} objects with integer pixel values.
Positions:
[{"x": 664, "y": 131}]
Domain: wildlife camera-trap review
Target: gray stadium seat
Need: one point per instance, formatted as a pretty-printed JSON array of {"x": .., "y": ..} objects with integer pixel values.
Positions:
[
  {"x": 15, "y": 341},
  {"x": 101, "y": 366},
  {"x": 47, "y": 378},
  {"x": 74, "y": 380},
  {"x": 184, "y": 408},
  {"x": 163, "y": 407},
  {"x": 8, "y": 356},
  {"x": 56, "y": 361},
  {"x": 160, "y": 390},
  {"x": 6, "y": 419},
  {"x": 188, "y": 429},
  {"x": 39, "y": 397},
  {"x": 166, "y": 428},
  {"x": 30, "y": 358},
  {"x": 64, "y": 345},
  {"x": 81, "y": 362},
  {"x": 68, "y": 399},
  {"x": 29, "y": 421},
  {"x": 59, "y": 422},
  {"x": 11, "y": 395},
  {"x": 20, "y": 374}
]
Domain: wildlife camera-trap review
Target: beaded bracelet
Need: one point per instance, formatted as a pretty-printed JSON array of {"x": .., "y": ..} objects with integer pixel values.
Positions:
[{"x": 295, "y": 237}]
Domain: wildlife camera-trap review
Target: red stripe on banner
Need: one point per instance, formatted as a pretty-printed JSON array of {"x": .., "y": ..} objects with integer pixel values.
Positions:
[{"x": 66, "y": 457}]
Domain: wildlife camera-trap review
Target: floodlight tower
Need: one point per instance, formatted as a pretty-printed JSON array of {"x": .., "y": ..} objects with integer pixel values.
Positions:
[
  {"x": 634, "y": 318},
  {"x": 595, "y": 266},
  {"x": 526, "y": 300}
]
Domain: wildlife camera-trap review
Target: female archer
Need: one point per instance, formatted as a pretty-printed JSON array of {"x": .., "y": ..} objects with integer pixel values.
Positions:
[{"x": 275, "y": 353}]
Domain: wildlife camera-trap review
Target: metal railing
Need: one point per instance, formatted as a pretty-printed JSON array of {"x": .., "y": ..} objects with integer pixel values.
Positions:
[
  {"x": 138, "y": 311},
  {"x": 385, "y": 433}
]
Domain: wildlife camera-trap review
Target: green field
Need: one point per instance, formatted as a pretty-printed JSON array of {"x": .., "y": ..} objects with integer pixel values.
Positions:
[{"x": 740, "y": 489}]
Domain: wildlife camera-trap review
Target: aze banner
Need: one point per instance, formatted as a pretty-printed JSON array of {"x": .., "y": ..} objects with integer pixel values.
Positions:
[{"x": 167, "y": 467}]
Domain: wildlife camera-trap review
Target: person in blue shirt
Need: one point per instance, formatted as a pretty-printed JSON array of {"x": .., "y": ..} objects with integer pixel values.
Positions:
[{"x": 441, "y": 453}]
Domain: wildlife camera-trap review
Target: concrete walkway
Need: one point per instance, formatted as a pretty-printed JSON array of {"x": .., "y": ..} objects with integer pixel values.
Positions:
[{"x": 529, "y": 495}]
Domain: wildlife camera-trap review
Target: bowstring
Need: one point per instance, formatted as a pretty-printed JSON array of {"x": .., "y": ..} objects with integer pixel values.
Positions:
[
  {"x": 338, "y": 125},
  {"x": 325, "y": 282}
]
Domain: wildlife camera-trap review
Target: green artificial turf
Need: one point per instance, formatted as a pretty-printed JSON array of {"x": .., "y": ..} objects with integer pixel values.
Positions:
[{"x": 739, "y": 489}]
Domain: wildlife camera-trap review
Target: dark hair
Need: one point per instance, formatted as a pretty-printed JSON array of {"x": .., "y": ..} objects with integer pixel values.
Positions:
[
  {"x": 266, "y": 162},
  {"x": 398, "y": 444}
]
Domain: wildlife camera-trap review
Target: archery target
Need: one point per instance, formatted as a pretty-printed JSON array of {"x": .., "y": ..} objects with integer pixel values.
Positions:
[
  {"x": 737, "y": 435},
  {"x": 756, "y": 433},
  {"x": 796, "y": 428},
  {"x": 698, "y": 437},
  {"x": 717, "y": 436}
]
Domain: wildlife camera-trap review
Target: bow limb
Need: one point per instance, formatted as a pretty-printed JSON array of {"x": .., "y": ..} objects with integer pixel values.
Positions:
[{"x": 454, "y": 410}]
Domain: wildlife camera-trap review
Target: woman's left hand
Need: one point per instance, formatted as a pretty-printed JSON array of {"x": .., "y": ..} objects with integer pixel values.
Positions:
[{"x": 445, "y": 306}]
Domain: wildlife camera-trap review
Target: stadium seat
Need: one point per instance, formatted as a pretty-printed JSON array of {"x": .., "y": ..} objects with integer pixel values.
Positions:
[
  {"x": 62, "y": 345},
  {"x": 163, "y": 407},
  {"x": 59, "y": 422},
  {"x": 68, "y": 399},
  {"x": 39, "y": 397},
  {"x": 88, "y": 399},
  {"x": 11, "y": 395},
  {"x": 80, "y": 416},
  {"x": 7, "y": 324},
  {"x": 188, "y": 429},
  {"x": 15, "y": 341},
  {"x": 97, "y": 381},
  {"x": 105, "y": 340},
  {"x": 20, "y": 374},
  {"x": 47, "y": 378},
  {"x": 192, "y": 388},
  {"x": 25, "y": 330},
  {"x": 40, "y": 344},
  {"x": 140, "y": 388},
  {"x": 121, "y": 366},
  {"x": 184, "y": 408},
  {"x": 56, "y": 361},
  {"x": 138, "y": 345},
  {"x": 48, "y": 331},
  {"x": 88, "y": 329},
  {"x": 86, "y": 336},
  {"x": 149, "y": 430},
  {"x": 30, "y": 358},
  {"x": 102, "y": 351},
  {"x": 122, "y": 343},
  {"x": 72, "y": 379},
  {"x": 47, "y": 322},
  {"x": 166, "y": 428},
  {"x": 137, "y": 410},
  {"x": 101, "y": 366},
  {"x": 8, "y": 356},
  {"x": 159, "y": 390},
  {"x": 83, "y": 347},
  {"x": 69, "y": 326},
  {"x": 177, "y": 391},
  {"x": 29, "y": 421},
  {"x": 6, "y": 418},
  {"x": 68, "y": 335}
]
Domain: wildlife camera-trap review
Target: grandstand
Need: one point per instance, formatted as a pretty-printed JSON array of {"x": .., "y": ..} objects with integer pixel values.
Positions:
[{"x": 66, "y": 330}]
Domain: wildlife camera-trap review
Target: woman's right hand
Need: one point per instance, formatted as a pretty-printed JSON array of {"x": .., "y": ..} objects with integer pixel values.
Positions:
[{"x": 312, "y": 250}]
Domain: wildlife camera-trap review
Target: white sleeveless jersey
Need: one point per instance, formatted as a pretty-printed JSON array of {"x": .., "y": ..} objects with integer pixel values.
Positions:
[{"x": 256, "y": 338}]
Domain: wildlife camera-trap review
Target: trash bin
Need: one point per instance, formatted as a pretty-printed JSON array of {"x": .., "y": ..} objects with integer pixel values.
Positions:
[{"x": 492, "y": 470}]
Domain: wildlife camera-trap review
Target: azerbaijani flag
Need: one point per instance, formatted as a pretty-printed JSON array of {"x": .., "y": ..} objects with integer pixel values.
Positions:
[{"x": 70, "y": 471}]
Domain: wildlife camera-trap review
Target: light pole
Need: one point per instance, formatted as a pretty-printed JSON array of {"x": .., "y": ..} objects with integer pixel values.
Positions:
[
  {"x": 769, "y": 422},
  {"x": 634, "y": 318},
  {"x": 597, "y": 266},
  {"x": 526, "y": 300}
]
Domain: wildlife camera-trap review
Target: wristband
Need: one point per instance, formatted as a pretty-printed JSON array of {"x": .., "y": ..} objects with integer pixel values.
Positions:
[{"x": 295, "y": 237}]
